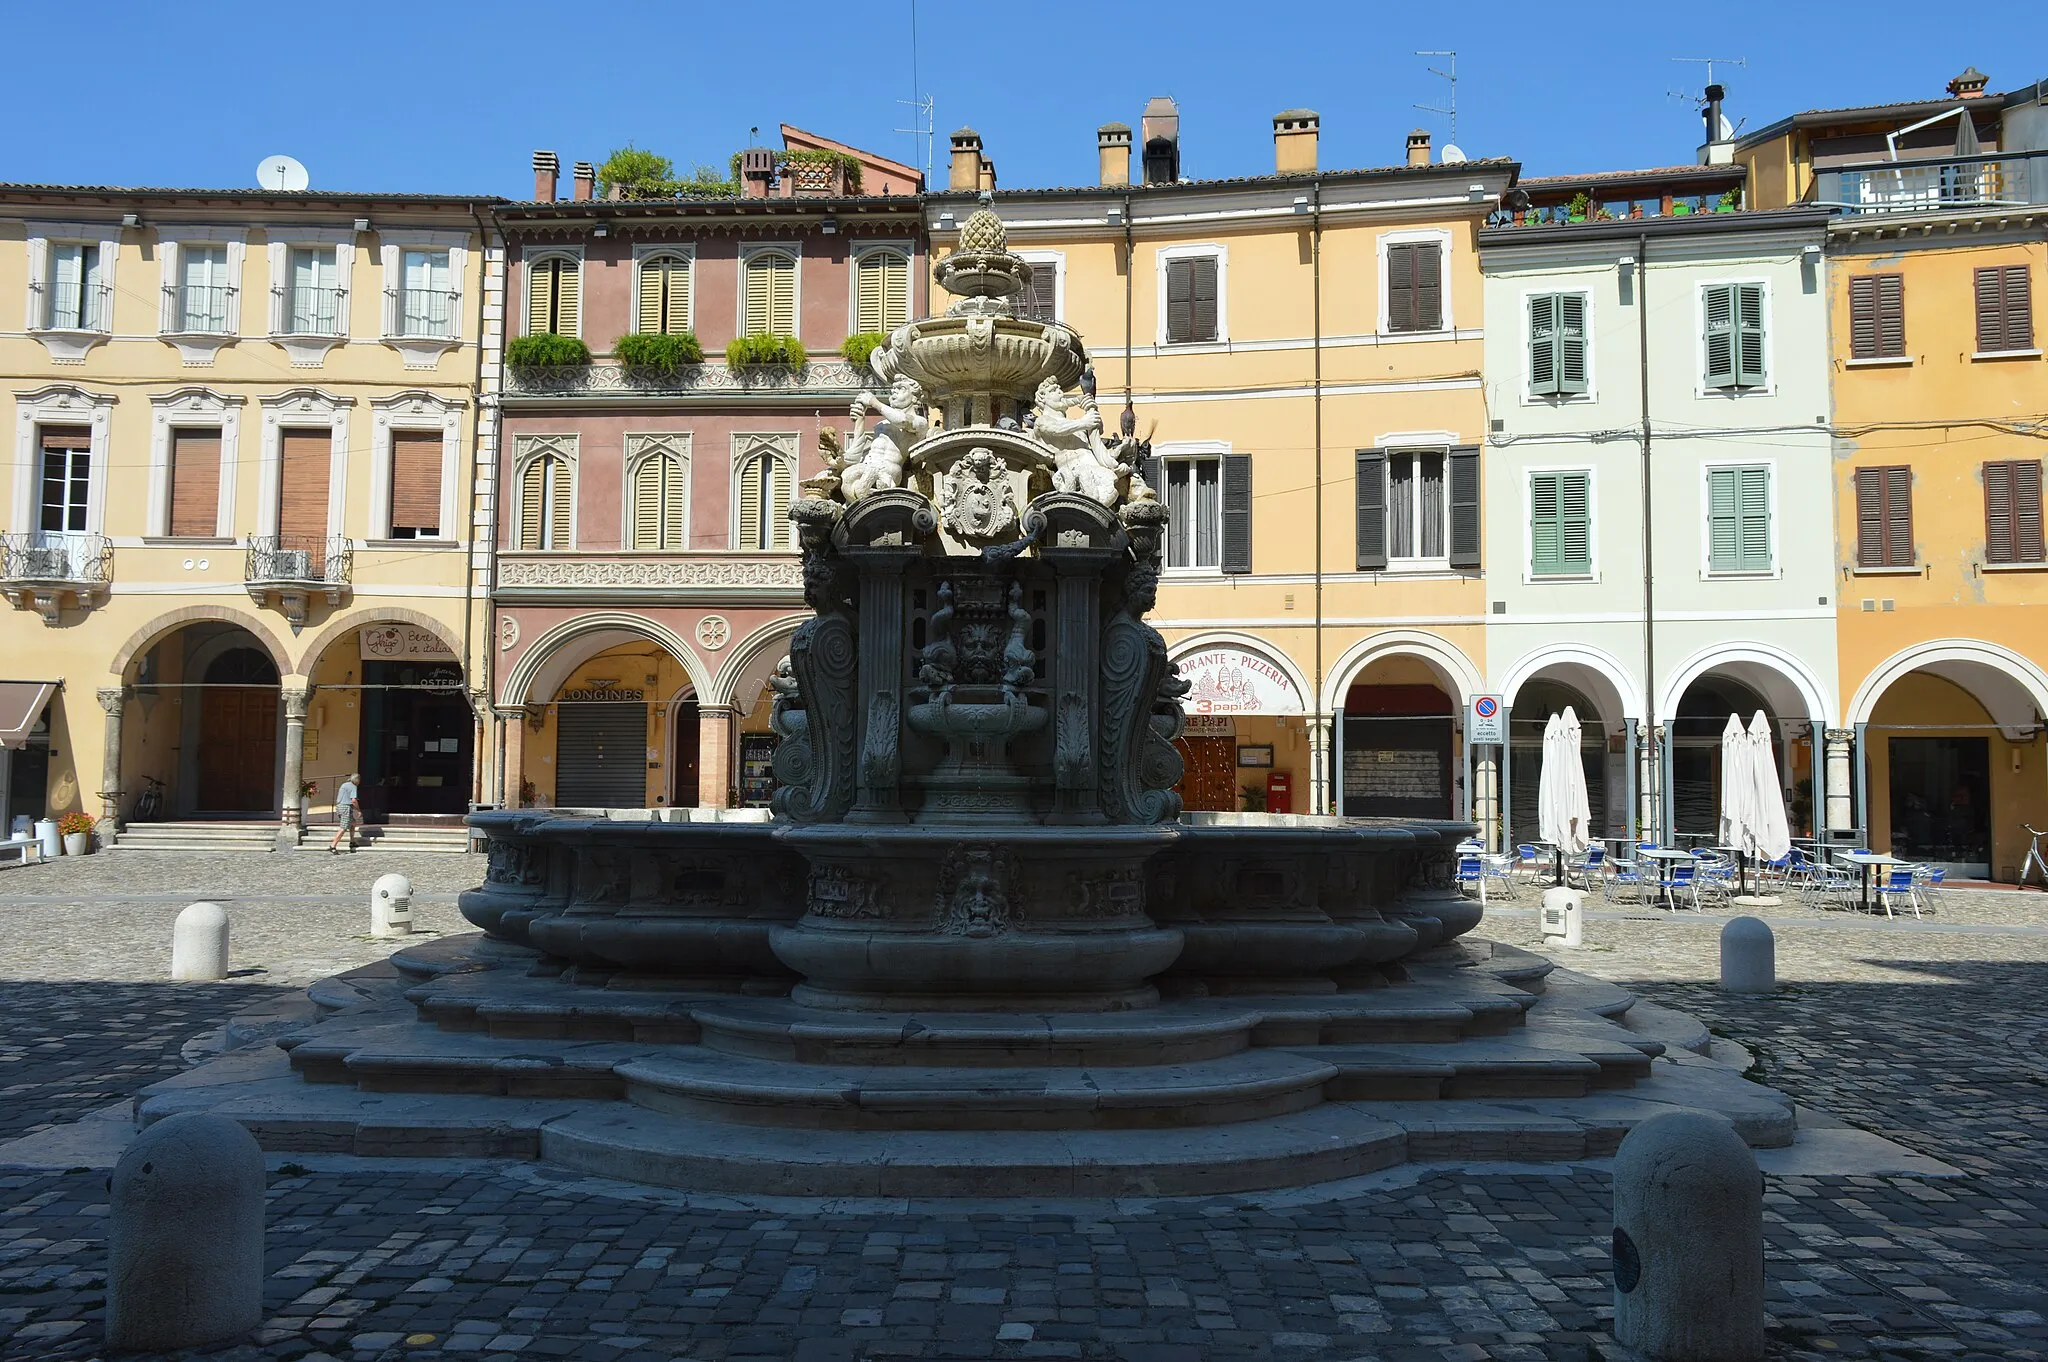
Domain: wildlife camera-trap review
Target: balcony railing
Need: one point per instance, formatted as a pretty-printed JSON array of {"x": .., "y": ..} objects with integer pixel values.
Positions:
[
  {"x": 64, "y": 559},
  {"x": 298, "y": 560},
  {"x": 312, "y": 311},
  {"x": 77, "y": 307},
  {"x": 202, "y": 309},
  {"x": 823, "y": 377},
  {"x": 428, "y": 313},
  {"x": 2007, "y": 179}
]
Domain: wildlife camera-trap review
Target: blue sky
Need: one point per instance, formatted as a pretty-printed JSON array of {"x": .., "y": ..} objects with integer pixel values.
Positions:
[{"x": 454, "y": 96}]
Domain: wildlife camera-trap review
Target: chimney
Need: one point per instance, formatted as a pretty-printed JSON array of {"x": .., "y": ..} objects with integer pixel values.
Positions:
[
  {"x": 985, "y": 174},
  {"x": 1294, "y": 141},
  {"x": 1716, "y": 150},
  {"x": 1969, "y": 85},
  {"x": 1160, "y": 129},
  {"x": 586, "y": 181},
  {"x": 757, "y": 168},
  {"x": 1418, "y": 148},
  {"x": 966, "y": 169},
  {"x": 546, "y": 168},
  {"x": 1113, "y": 150}
]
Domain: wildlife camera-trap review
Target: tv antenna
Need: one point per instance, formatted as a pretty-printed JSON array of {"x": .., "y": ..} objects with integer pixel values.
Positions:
[
  {"x": 1450, "y": 110},
  {"x": 922, "y": 122},
  {"x": 281, "y": 173},
  {"x": 1709, "y": 63}
]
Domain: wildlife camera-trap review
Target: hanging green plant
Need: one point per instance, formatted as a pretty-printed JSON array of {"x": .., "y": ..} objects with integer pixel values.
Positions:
[
  {"x": 856, "y": 349},
  {"x": 662, "y": 353},
  {"x": 546, "y": 351},
  {"x": 743, "y": 352}
]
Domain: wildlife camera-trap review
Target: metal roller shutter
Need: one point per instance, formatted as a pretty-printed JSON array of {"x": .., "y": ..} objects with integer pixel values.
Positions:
[{"x": 601, "y": 754}]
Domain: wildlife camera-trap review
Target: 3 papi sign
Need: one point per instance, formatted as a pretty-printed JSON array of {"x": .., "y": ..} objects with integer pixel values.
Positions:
[
  {"x": 1237, "y": 681},
  {"x": 1488, "y": 721}
]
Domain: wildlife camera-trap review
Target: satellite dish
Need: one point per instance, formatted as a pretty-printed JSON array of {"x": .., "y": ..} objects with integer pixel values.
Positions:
[
  {"x": 281, "y": 172},
  {"x": 1452, "y": 154},
  {"x": 1727, "y": 132}
]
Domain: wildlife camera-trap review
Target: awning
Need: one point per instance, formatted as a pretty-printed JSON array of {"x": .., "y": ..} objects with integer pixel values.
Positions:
[{"x": 21, "y": 704}]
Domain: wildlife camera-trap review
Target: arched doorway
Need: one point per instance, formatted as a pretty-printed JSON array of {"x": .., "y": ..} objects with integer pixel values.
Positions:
[
  {"x": 1693, "y": 736},
  {"x": 237, "y": 734},
  {"x": 1534, "y": 703},
  {"x": 686, "y": 750},
  {"x": 1399, "y": 743}
]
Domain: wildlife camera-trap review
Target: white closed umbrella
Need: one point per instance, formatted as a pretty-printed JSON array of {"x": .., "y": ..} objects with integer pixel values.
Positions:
[
  {"x": 1563, "y": 815},
  {"x": 1738, "y": 786},
  {"x": 1771, "y": 834}
]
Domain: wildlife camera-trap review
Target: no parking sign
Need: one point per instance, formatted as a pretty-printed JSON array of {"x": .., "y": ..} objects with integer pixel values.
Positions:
[{"x": 1488, "y": 720}]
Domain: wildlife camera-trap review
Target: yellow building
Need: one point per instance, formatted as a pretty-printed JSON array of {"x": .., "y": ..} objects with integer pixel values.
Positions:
[
  {"x": 238, "y": 529},
  {"x": 1936, "y": 266},
  {"x": 1304, "y": 349}
]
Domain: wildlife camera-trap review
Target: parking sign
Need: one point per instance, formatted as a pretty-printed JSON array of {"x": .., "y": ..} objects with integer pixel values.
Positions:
[{"x": 1488, "y": 721}]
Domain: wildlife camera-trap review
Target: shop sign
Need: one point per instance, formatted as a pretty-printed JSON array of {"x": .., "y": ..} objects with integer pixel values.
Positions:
[
  {"x": 1210, "y": 726},
  {"x": 581, "y": 694},
  {"x": 396, "y": 642},
  {"x": 1235, "y": 681}
]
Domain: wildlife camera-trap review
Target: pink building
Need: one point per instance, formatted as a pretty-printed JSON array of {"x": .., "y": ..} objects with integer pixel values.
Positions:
[{"x": 647, "y": 580}]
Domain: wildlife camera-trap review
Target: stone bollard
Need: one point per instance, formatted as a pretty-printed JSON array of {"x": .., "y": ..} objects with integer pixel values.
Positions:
[
  {"x": 1749, "y": 957},
  {"x": 185, "y": 1235},
  {"x": 391, "y": 906},
  {"x": 1564, "y": 917},
  {"x": 1688, "y": 1241},
  {"x": 199, "y": 943}
]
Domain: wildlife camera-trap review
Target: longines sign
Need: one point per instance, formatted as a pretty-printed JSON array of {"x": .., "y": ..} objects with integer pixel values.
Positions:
[{"x": 583, "y": 693}]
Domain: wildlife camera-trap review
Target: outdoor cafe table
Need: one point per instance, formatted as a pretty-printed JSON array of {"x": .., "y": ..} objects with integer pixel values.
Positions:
[
  {"x": 1867, "y": 859},
  {"x": 1665, "y": 854}
]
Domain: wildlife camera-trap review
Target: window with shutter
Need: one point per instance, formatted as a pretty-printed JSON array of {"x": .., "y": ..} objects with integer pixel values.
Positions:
[
  {"x": 546, "y": 491},
  {"x": 2012, "y": 511},
  {"x": 1560, "y": 525},
  {"x": 1739, "y": 519},
  {"x": 770, "y": 294},
  {"x": 67, "y": 477},
  {"x": 1195, "y": 497},
  {"x": 306, "y": 458},
  {"x": 415, "y": 484},
  {"x": 533, "y": 503},
  {"x": 1720, "y": 324},
  {"x": 762, "y": 492},
  {"x": 426, "y": 301},
  {"x": 660, "y": 488},
  {"x": 1236, "y": 546},
  {"x": 1372, "y": 510},
  {"x": 1193, "y": 300},
  {"x": 203, "y": 298},
  {"x": 881, "y": 291},
  {"x": 2005, "y": 308},
  {"x": 1877, "y": 316},
  {"x": 1557, "y": 344},
  {"x": 664, "y": 303},
  {"x": 1040, "y": 302},
  {"x": 561, "y": 504},
  {"x": 1415, "y": 294},
  {"x": 74, "y": 302},
  {"x": 195, "y": 483},
  {"x": 554, "y": 296},
  {"x": 1464, "y": 524},
  {"x": 1884, "y": 517},
  {"x": 1749, "y": 335}
]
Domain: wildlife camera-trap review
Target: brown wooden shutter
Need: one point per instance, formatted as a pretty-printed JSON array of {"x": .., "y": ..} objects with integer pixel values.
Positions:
[
  {"x": 1180, "y": 296},
  {"x": 1863, "y": 324},
  {"x": 2019, "y": 308},
  {"x": 416, "y": 481},
  {"x": 1202, "y": 302},
  {"x": 1429, "y": 287},
  {"x": 1884, "y": 517},
  {"x": 195, "y": 484},
  {"x": 1869, "y": 517},
  {"x": 1040, "y": 303},
  {"x": 2026, "y": 510},
  {"x": 302, "y": 487},
  {"x": 1891, "y": 315},
  {"x": 1401, "y": 287},
  {"x": 2005, "y": 308}
]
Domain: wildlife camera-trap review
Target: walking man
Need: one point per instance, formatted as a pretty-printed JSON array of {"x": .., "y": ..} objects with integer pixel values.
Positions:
[{"x": 345, "y": 813}]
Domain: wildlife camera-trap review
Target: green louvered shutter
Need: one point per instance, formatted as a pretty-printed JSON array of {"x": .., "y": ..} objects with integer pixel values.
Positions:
[
  {"x": 1571, "y": 342},
  {"x": 1720, "y": 310},
  {"x": 1739, "y": 519},
  {"x": 1546, "y": 535},
  {"x": 1749, "y": 336},
  {"x": 1543, "y": 344}
]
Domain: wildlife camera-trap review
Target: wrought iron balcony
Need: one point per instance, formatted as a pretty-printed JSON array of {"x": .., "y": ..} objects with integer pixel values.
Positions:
[
  {"x": 820, "y": 377},
  {"x": 313, "y": 311},
  {"x": 202, "y": 309},
  {"x": 2012, "y": 179},
  {"x": 74, "y": 306},
  {"x": 428, "y": 313},
  {"x": 44, "y": 570},
  {"x": 286, "y": 570}
]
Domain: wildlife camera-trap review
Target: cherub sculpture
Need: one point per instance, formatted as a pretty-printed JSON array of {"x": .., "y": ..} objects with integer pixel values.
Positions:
[
  {"x": 1082, "y": 463},
  {"x": 874, "y": 459}
]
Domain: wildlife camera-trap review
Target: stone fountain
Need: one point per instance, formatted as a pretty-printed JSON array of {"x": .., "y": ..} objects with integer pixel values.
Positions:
[{"x": 979, "y": 949}]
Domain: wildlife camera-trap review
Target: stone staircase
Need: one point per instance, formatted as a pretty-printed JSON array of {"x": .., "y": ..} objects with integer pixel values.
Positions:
[
  {"x": 393, "y": 837},
  {"x": 469, "y": 1047},
  {"x": 196, "y": 836}
]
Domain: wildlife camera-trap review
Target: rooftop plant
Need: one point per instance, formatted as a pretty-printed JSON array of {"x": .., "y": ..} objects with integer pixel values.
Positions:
[{"x": 806, "y": 156}]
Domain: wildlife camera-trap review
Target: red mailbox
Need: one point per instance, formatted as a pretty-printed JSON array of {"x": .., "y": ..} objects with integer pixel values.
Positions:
[{"x": 1279, "y": 795}]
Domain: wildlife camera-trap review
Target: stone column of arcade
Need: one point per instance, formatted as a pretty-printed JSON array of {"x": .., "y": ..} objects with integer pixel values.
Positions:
[
  {"x": 294, "y": 700},
  {"x": 113, "y": 701}
]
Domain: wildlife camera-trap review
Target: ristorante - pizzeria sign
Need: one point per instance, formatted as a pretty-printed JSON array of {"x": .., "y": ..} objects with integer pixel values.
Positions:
[{"x": 1237, "y": 681}]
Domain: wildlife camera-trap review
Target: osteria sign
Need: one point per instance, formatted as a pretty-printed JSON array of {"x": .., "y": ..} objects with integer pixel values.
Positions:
[{"x": 1237, "y": 681}]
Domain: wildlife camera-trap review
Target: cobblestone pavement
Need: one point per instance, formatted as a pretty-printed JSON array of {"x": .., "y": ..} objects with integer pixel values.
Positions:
[{"x": 1931, "y": 1036}]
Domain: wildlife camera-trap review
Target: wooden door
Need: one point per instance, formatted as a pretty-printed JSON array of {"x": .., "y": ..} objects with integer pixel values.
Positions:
[
  {"x": 1209, "y": 782},
  {"x": 687, "y": 734},
  {"x": 237, "y": 750}
]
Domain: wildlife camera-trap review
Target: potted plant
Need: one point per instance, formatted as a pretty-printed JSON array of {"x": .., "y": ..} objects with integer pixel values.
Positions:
[
  {"x": 1730, "y": 201},
  {"x": 307, "y": 789},
  {"x": 761, "y": 349},
  {"x": 1576, "y": 210},
  {"x": 653, "y": 356},
  {"x": 856, "y": 349},
  {"x": 546, "y": 351},
  {"x": 76, "y": 830}
]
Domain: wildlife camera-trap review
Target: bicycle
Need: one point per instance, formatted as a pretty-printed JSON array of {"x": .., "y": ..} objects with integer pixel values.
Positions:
[
  {"x": 150, "y": 803},
  {"x": 2034, "y": 857}
]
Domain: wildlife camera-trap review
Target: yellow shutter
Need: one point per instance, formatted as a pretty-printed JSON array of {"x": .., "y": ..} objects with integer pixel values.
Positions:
[
  {"x": 532, "y": 488},
  {"x": 665, "y": 295},
  {"x": 647, "y": 503},
  {"x": 540, "y": 296},
  {"x": 559, "y": 525},
  {"x": 568, "y": 275},
  {"x": 749, "y": 493},
  {"x": 674, "y": 501},
  {"x": 779, "y": 530},
  {"x": 678, "y": 275},
  {"x": 771, "y": 295},
  {"x": 868, "y": 293},
  {"x": 783, "y": 306},
  {"x": 650, "y": 294},
  {"x": 895, "y": 292}
]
